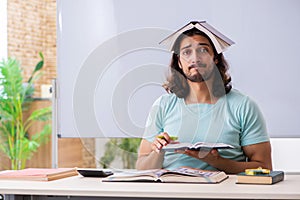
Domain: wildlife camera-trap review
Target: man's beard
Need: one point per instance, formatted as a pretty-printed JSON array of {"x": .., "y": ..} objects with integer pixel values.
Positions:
[
  {"x": 200, "y": 78},
  {"x": 195, "y": 78}
]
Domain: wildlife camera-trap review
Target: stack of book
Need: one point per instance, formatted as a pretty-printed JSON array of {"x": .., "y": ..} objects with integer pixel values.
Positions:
[
  {"x": 38, "y": 174},
  {"x": 261, "y": 178}
]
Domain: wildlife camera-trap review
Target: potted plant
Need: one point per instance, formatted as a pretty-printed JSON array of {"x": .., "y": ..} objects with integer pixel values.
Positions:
[{"x": 15, "y": 97}]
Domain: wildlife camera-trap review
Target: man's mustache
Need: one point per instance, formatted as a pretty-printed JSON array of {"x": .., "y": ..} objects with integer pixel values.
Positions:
[{"x": 198, "y": 65}]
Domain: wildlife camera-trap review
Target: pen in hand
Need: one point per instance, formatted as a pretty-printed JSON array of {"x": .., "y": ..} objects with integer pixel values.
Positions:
[
  {"x": 171, "y": 137},
  {"x": 162, "y": 140}
]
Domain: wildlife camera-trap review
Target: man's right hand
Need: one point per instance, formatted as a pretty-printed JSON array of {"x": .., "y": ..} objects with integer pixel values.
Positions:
[{"x": 160, "y": 141}]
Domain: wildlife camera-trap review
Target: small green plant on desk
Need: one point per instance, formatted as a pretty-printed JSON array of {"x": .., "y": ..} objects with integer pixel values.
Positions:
[
  {"x": 125, "y": 147},
  {"x": 15, "y": 97}
]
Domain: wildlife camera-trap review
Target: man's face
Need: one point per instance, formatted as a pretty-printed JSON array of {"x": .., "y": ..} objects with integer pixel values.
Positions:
[{"x": 196, "y": 58}]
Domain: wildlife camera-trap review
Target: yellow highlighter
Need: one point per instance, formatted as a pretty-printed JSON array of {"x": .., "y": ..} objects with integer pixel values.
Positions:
[
  {"x": 256, "y": 171},
  {"x": 171, "y": 137}
]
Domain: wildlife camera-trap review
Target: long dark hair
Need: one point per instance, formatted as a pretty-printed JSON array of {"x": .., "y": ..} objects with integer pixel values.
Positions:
[{"x": 177, "y": 83}]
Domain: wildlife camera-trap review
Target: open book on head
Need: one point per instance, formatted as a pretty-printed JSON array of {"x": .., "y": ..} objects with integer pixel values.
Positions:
[
  {"x": 179, "y": 175},
  {"x": 220, "y": 41},
  {"x": 196, "y": 146}
]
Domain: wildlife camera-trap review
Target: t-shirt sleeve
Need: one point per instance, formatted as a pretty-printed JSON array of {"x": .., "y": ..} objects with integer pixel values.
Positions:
[
  {"x": 154, "y": 123},
  {"x": 253, "y": 125}
]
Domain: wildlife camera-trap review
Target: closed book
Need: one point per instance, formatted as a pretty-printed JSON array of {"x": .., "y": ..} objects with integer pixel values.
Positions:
[
  {"x": 38, "y": 174},
  {"x": 267, "y": 179},
  {"x": 179, "y": 175}
]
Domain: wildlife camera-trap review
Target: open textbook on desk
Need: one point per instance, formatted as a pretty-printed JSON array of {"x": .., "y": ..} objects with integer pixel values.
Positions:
[{"x": 179, "y": 175}]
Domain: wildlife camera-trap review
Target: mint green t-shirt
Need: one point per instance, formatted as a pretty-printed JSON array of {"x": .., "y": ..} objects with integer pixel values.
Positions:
[{"x": 235, "y": 119}]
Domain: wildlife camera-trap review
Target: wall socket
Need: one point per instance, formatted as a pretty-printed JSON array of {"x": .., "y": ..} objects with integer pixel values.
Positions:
[{"x": 45, "y": 91}]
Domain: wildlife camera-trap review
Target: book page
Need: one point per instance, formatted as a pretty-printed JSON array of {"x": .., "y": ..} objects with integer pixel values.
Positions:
[
  {"x": 196, "y": 146},
  {"x": 210, "y": 145},
  {"x": 177, "y": 146},
  {"x": 194, "y": 172}
]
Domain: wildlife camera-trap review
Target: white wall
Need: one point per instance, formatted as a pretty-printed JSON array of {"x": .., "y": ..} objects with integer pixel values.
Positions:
[
  {"x": 3, "y": 29},
  {"x": 285, "y": 154}
]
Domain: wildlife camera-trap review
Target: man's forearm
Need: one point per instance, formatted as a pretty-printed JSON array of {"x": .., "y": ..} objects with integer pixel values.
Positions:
[
  {"x": 233, "y": 167},
  {"x": 151, "y": 161}
]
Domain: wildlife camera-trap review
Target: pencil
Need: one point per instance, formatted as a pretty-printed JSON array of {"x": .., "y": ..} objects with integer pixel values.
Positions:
[{"x": 171, "y": 137}]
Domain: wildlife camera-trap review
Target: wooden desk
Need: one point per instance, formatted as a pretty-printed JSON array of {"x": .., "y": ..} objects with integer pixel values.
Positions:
[{"x": 91, "y": 188}]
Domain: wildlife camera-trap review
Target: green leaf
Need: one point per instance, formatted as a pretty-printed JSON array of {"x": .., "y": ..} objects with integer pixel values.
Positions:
[
  {"x": 33, "y": 145},
  {"x": 39, "y": 66},
  {"x": 41, "y": 55},
  {"x": 42, "y": 114},
  {"x": 12, "y": 79},
  {"x": 42, "y": 137}
]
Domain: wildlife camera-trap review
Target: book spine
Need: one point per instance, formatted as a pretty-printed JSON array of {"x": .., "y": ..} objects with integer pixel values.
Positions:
[{"x": 278, "y": 178}]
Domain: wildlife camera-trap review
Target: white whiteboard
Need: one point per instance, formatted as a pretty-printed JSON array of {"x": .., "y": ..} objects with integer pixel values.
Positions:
[{"x": 110, "y": 65}]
